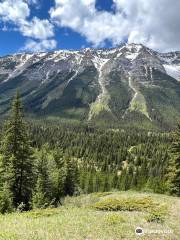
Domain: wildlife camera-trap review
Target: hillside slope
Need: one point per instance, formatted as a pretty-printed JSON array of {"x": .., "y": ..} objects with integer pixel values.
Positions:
[
  {"x": 80, "y": 219},
  {"x": 130, "y": 83}
]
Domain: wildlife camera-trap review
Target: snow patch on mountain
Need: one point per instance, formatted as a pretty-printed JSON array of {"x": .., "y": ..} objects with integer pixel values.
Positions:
[
  {"x": 102, "y": 100},
  {"x": 133, "y": 51},
  {"x": 132, "y": 46},
  {"x": 74, "y": 76},
  {"x": 131, "y": 56},
  {"x": 135, "y": 60},
  {"x": 20, "y": 67},
  {"x": 99, "y": 63},
  {"x": 151, "y": 74},
  {"x": 133, "y": 88},
  {"x": 173, "y": 71}
]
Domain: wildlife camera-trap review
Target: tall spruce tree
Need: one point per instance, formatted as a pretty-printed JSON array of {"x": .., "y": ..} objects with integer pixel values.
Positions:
[
  {"x": 17, "y": 156},
  {"x": 72, "y": 176},
  {"x": 59, "y": 174},
  {"x": 174, "y": 166},
  {"x": 43, "y": 188}
]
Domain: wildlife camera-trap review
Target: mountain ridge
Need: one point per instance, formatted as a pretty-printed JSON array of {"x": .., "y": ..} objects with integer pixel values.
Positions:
[{"x": 129, "y": 83}]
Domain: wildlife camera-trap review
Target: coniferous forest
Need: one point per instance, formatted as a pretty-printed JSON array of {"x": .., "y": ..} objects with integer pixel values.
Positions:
[{"x": 41, "y": 162}]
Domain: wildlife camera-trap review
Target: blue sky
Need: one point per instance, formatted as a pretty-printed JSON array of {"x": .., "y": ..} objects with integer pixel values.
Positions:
[
  {"x": 12, "y": 41},
  {"x": 46, "y": 25}
]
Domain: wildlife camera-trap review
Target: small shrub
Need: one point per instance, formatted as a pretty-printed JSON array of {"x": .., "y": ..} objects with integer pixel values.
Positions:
[
  {"x": 39, "y": 200},
  {"x": 42, "y": 213},
  {"x": 131, "y": 204},
  {"x": 157, "y": 217}
]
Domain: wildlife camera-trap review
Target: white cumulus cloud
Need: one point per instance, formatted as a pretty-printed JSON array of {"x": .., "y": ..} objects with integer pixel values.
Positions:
[
  {"x": 151, "y": 22},
  {"x": 39, "y": 29},
  {"x": 17, "y": 13},
  {"x": 39, "y": 46},
  {"x": 154, "y": 23}
]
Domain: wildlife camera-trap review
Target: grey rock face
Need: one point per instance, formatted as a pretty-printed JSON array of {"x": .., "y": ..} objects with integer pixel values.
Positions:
[{"x": 84, "y": 84}]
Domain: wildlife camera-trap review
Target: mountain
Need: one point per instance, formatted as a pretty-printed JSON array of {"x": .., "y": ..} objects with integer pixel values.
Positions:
[{"x": 128, "y": 84}]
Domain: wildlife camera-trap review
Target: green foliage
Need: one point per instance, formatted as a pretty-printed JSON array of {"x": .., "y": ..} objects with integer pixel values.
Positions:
[
  {"x": 6, "y": 199},
  {"x": 163, "y": 100},
  {"x": 156, "y": 217},
  {"x": 72, "y": 159},
  {"x": 120, "y": 95},
  {"x": 113, "y": 204},
  {"x": 104, "y": 156},
  {"x": 57, "y": 176},
  {"x": 43, "y": 188},
  {"x": 173, "y": 175},
  {"x": 39, "y": 199},
  {"x": 80, "y": 222},
  {"x": 38, "y": 213},
  {"x": 72, "y": 177},
  {"x": 17, "y": 156}
]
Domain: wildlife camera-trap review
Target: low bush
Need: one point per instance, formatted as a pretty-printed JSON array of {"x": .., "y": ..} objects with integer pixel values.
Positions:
[
  {"x": 156, "y": 216},
  {"x": 131, "y": 204},
  {"x": 42, "y": 213}
]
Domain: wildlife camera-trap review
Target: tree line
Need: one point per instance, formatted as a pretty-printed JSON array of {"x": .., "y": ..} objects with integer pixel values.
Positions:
[{"x": 42, "y": 162}]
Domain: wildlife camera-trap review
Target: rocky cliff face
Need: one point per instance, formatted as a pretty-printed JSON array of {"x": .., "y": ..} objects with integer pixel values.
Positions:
[{"x": 129, "y": 83}]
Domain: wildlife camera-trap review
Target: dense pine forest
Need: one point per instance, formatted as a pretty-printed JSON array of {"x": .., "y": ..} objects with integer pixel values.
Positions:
[
  {"x": 43, "y": 161},
  {"x": 110, "y": 158}
]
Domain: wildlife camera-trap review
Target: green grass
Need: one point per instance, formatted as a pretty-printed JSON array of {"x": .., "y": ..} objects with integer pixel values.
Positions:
[
  {"x": 138, "y": 102},
  {"x": 99, "y": 106},
  {"x": 78, "y": 220}
]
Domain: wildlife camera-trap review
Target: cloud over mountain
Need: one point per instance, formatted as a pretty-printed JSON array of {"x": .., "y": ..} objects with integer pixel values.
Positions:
[{"x": 151, "y": 22}]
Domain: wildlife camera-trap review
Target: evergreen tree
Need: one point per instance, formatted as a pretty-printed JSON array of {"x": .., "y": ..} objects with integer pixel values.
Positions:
[
  {"x": 115, "y": 180},
  {"x": 83, "y": 179},
  {"x": 72, "y": 176},
  {"x": 42, "y": 194},
  {"x": 90, "y": 183},
  {"x": 39, "y": 199},
  {"x": 59, "y": 174},
  {"x": 122, "y": 183},
  {"x": 174, "y": 173},
  {"x": 106, "y": 184},
  {"x": 6, "y": 200},
  {"x": 97, "y": 183},
  {"x": 17, "y": 156}
]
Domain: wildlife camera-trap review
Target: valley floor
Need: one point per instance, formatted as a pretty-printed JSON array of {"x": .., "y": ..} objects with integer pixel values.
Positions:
[{"x": 81, "y": 218}]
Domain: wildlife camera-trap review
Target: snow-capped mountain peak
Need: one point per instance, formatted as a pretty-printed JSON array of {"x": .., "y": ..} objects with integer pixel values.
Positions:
[{"x": 93, "y": 82}]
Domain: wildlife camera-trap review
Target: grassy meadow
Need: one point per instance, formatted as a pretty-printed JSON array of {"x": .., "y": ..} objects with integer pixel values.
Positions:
[{"x": 98, "y": 216}]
